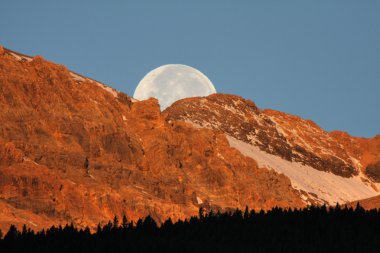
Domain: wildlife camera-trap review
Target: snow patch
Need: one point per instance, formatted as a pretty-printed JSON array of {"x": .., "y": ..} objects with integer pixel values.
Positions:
[
  {"x": 356, "y": 163},
  {"x": 77, "y": 77},
  {"x": 195, "y": 125},
  {"x": 327, "y": 186},
  {"x": 27, "y": 159},
  {"x": 32, "y": 223},
  {"x": 253, "y": 139},
  {"x": 278, "y": 127},
  {"x": 200, "y": 124},
  {"x": 113, "y": 92},
  {"x": 20, "y": 58},
  {"x": 96, "y": 102},
  {"x": 220, "y": 156},
  {"x": 232, "y": 109}
]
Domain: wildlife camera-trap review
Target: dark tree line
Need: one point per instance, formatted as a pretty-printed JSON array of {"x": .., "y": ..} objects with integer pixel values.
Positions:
[{"x": 312, "y": 229}]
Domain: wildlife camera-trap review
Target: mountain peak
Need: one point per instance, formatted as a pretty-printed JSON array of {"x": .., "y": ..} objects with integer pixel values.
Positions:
[{"x": 285, "y": 142}]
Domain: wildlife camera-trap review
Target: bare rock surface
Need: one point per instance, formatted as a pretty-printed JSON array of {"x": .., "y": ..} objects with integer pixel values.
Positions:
[{"x": 75, "y": 150}]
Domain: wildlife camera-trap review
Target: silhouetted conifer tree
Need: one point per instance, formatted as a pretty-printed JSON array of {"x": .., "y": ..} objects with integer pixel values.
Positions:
[
  {"x": 124, "y": 223},
  {"x": 115, "y": 222},
  {"x": 246, "y": 213},
  {"x": 201, "y": 213},
  {"x": 12, "y": 234},
  {"x": 311, "y": 229}
]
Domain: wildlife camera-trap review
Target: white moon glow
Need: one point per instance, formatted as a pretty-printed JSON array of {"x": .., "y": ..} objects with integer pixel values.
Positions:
[{"x": 172, "y": 82}]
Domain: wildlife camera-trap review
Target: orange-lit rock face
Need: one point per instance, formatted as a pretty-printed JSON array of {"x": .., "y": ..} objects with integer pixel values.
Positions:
[
  {"x": 370, "y": 203},
  {"x": 365, "y": 150},
  {"x": 281, "y": 134},
  {"x": 74, "y": 150},
  {"x": 362, "y": 154}
]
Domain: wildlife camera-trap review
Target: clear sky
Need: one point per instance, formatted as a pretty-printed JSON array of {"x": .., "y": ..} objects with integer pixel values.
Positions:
[{"x": 316, "y": 59}]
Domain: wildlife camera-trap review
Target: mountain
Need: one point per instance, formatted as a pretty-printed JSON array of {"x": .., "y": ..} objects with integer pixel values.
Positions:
[
  {"x": 74, "y": 150},
  {"x": 324, "y": 167}
]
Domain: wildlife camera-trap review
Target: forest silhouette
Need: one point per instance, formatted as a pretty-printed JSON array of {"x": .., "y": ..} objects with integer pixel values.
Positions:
[{"x": 311, "y": 229}]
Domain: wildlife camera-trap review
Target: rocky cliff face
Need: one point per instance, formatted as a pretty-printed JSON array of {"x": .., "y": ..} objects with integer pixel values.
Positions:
[
  {"x": 277, "y": 133},
  {"x": 324, "y": 167},
  {"x": 75, "y": 150}
]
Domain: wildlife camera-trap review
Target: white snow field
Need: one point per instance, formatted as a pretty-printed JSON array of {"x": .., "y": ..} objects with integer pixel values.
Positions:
[{"x": 327, "y": 186}]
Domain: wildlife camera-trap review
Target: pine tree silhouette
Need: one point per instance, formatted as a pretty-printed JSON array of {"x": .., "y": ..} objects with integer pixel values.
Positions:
[
  {"x": 311, "y": 229},
  {"x": 12, "y": 234},
  {"x": 124, "y": 222}
]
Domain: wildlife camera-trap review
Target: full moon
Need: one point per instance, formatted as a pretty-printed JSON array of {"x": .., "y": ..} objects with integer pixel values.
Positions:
[{"x": 172, "y": 82}]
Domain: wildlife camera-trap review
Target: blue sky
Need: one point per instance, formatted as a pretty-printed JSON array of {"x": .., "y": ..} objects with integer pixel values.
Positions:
[{"x": 316, "y": 59}]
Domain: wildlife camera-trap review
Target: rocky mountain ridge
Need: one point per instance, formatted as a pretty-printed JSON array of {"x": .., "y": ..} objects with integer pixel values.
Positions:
[
  {"x": 338, "y": 167},
  {"x": 75, "y": 150}
]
